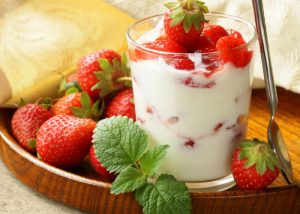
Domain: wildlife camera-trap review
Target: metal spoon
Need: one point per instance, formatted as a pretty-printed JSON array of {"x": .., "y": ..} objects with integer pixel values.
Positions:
[{"x": 275, "y": 137}]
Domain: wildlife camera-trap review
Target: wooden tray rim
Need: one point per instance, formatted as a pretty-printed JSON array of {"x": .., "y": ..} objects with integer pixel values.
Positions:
[{"x": 11, "y": 142}]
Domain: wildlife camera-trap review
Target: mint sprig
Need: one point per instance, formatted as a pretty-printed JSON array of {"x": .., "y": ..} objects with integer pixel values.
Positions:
[
  {"x": 119, "y": 142},
  {"x": 121, "y": 146},
  {"x": 165, "y": 196}
]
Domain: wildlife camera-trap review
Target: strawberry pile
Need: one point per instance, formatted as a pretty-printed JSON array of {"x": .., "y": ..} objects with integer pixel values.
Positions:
[
  {"x": 187, "y": 31},
  {"x": 60, "y": 134}
]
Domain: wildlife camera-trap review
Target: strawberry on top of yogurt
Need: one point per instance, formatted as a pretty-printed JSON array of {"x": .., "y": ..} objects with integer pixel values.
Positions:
[{"x": 192, "y": 94}]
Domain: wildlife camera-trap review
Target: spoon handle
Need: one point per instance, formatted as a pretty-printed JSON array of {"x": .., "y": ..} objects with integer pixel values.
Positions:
[{"x": 265, "y": 55}]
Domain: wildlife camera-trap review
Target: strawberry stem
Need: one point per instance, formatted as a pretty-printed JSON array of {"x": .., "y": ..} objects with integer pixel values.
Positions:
[
  {"x": 124, "y": 79},
  {"x": 190, "y": 4}
]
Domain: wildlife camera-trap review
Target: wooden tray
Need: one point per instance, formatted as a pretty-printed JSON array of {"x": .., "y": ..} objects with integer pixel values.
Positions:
[{"x": 83, "y": 189}]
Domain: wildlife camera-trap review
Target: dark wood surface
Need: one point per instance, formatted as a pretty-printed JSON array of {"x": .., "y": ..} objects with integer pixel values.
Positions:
[{"x": 81, "y": 188}]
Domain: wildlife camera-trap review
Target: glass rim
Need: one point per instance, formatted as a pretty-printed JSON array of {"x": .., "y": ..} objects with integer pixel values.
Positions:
[{"x": 212, "y": 14}]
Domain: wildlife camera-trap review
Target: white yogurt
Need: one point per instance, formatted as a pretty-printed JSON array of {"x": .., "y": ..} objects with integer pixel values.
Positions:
[{"x": 202, "y": 124}]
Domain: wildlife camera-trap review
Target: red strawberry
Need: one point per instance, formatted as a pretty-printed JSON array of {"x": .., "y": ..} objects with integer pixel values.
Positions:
[
  {"x": 101, "y": 170},
  {"x": 204, "y": 45},
  {"x": 159, "y": 45},
  {"x": 72, "y": 77},
  {"x": 25, "y": 123},
  {"x": 254, "y": 165},
  {"x": 77, "y": 104},
  {"x": 213, "y": 33},
  {"x": 97, "y": 72},
  {"x": 230, "y": 51},
  {"x": 63, "y": 105},
  {"x": 235, "y": 34},
  {"x": 182, "y": 64},
  {"x": 63, "y": 141},
  {"x": 165, "y": 45},
  {"x": 184, "y": 21},
  {"x": 122, "y": 104},
  {"x": 69, "y": 85}
]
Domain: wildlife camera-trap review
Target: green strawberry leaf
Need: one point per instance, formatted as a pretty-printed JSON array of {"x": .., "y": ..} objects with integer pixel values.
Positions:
[
  {"x": 165, "y": 196},
  {"x": 128, "y": 180},
  {"x": 119, "y": 143},
  {"x": 124, "y": 65},
  {"x": 152, "y": 159},
  {"x": 85, "y": 100},
  {"x": 177, "y": 19},
  {"x": 260, "y": 154},
  {"x": 72, "y": 90},
  {"x": 105, "y": 65},
  {"x": 22, "y": 102},
  {"x": 172, "y": 5},
  {"x": 187, "y": 23},
  {"x": 260, "y": 165},
  {"x": 32, "y": 143}
]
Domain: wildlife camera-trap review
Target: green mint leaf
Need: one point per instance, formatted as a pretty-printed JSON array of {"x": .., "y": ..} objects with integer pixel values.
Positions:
[
  {"x": 128, "y": 180},
  {"x": 152, "y": 159},
  {"x": 119, "y": 143},
  {"x": 165, "y": 196}
]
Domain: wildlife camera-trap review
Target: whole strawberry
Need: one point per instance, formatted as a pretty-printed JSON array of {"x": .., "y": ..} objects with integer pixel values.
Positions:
[
  {"x": 63, "y": 141},
  {"x": 254, "y": 165},
  {"x": 184, "y": 21},
  {"x": 77, "y": 104},
  {"x": 25, "y": 123},
  {"x": 122, "y": 105},
  {"x": 101, "y": 170},
  {"x": 98, "y": 71}
]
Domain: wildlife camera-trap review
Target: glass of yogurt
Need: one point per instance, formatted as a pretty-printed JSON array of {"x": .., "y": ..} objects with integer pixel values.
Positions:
[{"x": 201, "y": 108}]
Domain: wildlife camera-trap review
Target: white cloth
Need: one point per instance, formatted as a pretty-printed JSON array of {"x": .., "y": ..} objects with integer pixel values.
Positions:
[{"x": 283, "y": 25}]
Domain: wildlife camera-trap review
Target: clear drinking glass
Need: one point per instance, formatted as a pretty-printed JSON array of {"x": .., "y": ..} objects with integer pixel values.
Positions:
[{"x": 201, "y": 113}]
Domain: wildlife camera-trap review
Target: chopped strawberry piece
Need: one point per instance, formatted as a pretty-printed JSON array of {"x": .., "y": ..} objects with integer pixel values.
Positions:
[
  {"x": 165, "y": 45},
  {"x": 204, "y": 45},
  {"x": 149, "y": 110},
  {"x": 158, "y": 45},
  {"x": 182, "y": 64},
  {"x": 218, "y": 127},
  {"x": 230, "y": 51},
  {"x": 213, "y": 33},
  {"x": 235, "y": 34},
  {"x": 173, "y": 120},
  {"x": 190, "y": 143},
  {"x": 140, "y": 120},
  {"x": 191, "y": 83}
]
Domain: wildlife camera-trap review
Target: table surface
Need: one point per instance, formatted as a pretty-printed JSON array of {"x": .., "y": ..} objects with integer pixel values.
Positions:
[{"x": 16, "y": 198}]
